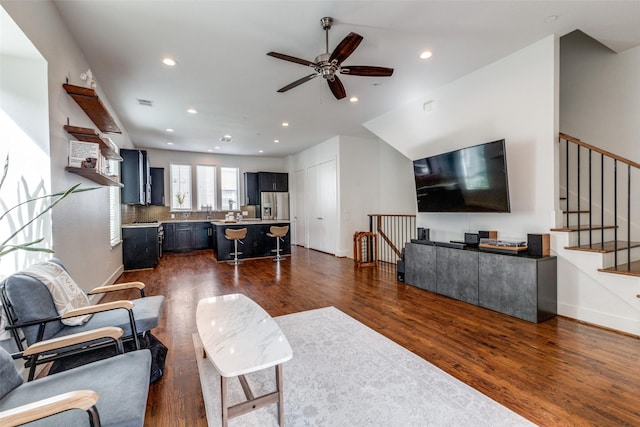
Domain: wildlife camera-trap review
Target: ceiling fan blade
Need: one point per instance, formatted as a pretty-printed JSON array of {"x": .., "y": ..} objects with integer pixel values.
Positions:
[
  {"x": 346, "y": 47},
  {"x": 337, "y": 88},
  {"x": 298, "y": 82},
  {"x": 291, "y": 59},
  {"x": 367, "y": 71}
]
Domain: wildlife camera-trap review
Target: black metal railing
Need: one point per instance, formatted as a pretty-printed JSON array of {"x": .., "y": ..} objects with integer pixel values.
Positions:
[
  {"x": 393, "y": 231},
  {"x": 607, "y": 207}
]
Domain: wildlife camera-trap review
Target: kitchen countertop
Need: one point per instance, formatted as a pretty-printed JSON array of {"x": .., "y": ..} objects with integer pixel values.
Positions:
[{"x": 250, "y": 221}]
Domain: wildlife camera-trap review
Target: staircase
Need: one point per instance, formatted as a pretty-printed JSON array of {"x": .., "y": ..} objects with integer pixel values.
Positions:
[{"x": 598, "y": 243}]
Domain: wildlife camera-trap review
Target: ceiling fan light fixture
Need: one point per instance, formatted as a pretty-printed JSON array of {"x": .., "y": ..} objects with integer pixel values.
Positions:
[{"x": 328, "y": 65}]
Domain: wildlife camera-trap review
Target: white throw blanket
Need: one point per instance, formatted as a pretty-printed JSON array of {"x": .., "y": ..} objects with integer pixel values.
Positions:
[{"x": 66, "y": 294}]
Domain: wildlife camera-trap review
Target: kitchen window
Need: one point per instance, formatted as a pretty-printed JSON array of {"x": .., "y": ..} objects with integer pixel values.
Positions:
[
  {"x": 115, "y": 233},
  {"x": 206, "y": 182},
  {"x": 229, "y": 185},
  {"x": 180, "y": 189}
]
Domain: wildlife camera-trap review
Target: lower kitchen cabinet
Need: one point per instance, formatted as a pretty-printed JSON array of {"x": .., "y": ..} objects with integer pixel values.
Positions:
[
  {"x": 169, "y": 242},
  {"x": 140, "y": 248},
  {"x": 184, "y": 237},
  {"x": 187, "y": 236},
  {"x": 202, "y": 235}
]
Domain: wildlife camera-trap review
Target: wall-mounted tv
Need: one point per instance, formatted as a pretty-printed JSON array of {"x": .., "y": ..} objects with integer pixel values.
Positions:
[{"x": 472, "y": 179}]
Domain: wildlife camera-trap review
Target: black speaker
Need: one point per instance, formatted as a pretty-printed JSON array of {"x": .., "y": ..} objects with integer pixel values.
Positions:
[
  {"x": 493, "y": 235},
  {"x": 538, "y": 244},
  {"x": 471, "y": 239},
  {"x": 423, "y": 233}
]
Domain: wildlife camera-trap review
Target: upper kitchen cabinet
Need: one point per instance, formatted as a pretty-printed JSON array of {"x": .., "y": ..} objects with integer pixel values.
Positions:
[
  {"x": 273, "y": 181},
  {"x": 251, "y": 189},
  {"x": 157, "y": 186},
  {"x": 135, "y": 175}
]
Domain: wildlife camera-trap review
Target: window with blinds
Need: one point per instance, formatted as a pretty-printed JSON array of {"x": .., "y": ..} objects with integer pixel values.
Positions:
[
  {"x": 229, "y": 183},
  {"x": 206, "y": 183},
  {"x": 180, "y": 177},
  {"x": 114, "y": 216}
]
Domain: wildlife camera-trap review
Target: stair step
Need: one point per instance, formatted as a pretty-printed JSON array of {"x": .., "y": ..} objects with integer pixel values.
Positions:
[
  {"x": 605, "y": 247},
  {"x": 632, "y": 269},
  {"x": 583, "y": 227}
]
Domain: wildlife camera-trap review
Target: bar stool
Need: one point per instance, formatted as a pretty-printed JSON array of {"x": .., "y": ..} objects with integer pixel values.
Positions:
[
  {"x": 278, "y": 233},
  {"x": 235, "y": 234}
]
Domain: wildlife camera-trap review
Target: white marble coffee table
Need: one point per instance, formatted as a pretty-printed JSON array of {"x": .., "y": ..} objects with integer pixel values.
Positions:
[{"x": 240, "y": 337}]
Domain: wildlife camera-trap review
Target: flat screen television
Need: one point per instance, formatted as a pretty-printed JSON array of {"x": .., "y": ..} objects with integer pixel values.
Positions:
[{"x": 472, "y": 179}]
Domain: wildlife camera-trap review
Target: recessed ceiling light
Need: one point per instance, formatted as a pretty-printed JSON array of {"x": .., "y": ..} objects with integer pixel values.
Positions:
[
  {"x": 192, "y": 111},
  {"x": 216, "y": 147},
  {"x": 426, "y": 54},
  {"x": 353, "y": 99},
  {"x": 169, "y": 143},
  {"x": 210, "y": 150},
  {"x": 169, "y": 130},
  {"x": 551, "y": 18},
  {"x": 260, "y": 151},
  {"x": 169, "y": 61},
  {"x": 227, "y": 136},
  {"x": 277, "y": 141},
  {"x": 285, "y": 124}
]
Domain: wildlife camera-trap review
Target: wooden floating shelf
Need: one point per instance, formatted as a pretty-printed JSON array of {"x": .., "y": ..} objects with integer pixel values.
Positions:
[
  {"x": 91, "y": 135},
  {"x": 91, "y": 104},
  {"x": 95, "y": 176}
]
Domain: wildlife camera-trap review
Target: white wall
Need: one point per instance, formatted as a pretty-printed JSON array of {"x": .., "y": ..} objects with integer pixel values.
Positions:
[
  {"x": 372, "y": 178},
  {"x": 80, "y": 225},
  {"x": 514, "y": 98},
  {"x": 24, "y": 140},
  {"x": 600, "y": 95}
]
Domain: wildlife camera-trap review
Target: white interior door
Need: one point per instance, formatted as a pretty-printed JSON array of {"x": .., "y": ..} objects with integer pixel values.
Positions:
[
  {"x": 300, "y": 217},
  {"x": 322, "y": 206}
]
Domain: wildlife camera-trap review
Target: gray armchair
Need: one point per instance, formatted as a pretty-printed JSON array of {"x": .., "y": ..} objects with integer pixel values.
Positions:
[
  {"x": 33, "y": 317},
  {"x": 110, "y": 392}
]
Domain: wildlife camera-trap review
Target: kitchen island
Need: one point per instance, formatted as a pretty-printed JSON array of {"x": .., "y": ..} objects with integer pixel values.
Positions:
[{"x": 256, "y": 244}]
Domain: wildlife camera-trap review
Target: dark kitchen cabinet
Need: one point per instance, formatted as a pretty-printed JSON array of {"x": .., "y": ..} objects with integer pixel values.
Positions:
[
  {"x": 251, "y": 189},
  {"x": 184, "y": 236},
  {"x": 157, "y": 186},
  {"x": 140, "y": 247},
  {"x": 187, "y": 236},
  {"x": 202, "y": 235},
  {"x": 135, "y": 176},
  {"x": 273, "y": 181},
  {"x": 169, "y": 242}
]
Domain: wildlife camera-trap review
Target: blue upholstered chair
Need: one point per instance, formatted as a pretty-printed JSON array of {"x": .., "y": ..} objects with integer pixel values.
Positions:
[
  {"x": 33, "y": 317},
  {"x": 109, "y": 392}
]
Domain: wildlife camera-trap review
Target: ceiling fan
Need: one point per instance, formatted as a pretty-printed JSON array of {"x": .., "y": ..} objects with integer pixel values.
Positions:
[{"x": 328, "y": 65}]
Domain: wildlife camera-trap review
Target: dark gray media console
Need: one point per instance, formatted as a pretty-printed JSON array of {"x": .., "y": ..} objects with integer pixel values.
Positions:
[{"x": 522, "y": 286}]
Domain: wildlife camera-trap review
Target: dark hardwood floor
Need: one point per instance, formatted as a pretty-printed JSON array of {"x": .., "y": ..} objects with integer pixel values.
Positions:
[{"x": 560, "y": 372}]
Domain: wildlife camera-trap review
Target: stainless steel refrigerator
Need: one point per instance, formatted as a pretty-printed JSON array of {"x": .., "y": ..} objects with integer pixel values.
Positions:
[{"x": 274, "y": 205}]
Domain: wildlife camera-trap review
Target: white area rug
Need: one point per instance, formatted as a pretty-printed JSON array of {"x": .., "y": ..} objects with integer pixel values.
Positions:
[{"x": 346, "y": 374}]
